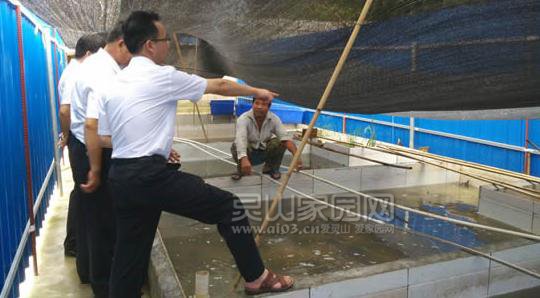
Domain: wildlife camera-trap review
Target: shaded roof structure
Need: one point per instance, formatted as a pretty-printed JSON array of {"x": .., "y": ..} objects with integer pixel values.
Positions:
[{"x": 429, "y": 55}]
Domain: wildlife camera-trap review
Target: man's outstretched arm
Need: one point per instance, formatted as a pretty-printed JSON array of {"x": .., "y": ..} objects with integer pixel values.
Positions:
[{"x": 229, "y": 88}]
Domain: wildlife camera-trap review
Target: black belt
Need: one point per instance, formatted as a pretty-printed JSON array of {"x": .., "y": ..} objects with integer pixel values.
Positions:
[{"x": 156, "y": 158}]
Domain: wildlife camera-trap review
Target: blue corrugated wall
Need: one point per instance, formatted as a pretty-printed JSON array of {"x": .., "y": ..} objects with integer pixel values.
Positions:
[
  {"x": 13, "y": 214},
  {"x": 13, "y": 184},
  {"x": 510, "y": 132}
]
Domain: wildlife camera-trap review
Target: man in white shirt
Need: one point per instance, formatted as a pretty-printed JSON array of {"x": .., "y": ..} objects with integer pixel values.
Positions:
[
  {"x": 260, "y": 137},
  {"x": 140, "y": 110},
  {"x": 86, "y": 46},
  {"x": 97, "y": 219}
]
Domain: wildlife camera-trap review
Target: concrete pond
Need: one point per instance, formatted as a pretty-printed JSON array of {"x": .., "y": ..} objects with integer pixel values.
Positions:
[{"x": 331, "y": 254}]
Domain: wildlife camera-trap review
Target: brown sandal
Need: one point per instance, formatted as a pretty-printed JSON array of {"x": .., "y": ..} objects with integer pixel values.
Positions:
[
  {"x": 276, "y": 175},
  {"x": 236, "y": 176},
  {"x": 267, "y": 285}
]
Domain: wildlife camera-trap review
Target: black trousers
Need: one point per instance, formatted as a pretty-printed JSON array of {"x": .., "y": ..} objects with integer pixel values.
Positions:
[
  {"x": 271, "y": 156},
  {"x": 142, "y": 188},
  {"x": 70, "y": 242},
  {"x": 95, "y": 223}
]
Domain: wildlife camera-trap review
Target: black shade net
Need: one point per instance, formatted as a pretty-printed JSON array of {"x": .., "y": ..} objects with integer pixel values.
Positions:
[{"x": 430, "y": 55}]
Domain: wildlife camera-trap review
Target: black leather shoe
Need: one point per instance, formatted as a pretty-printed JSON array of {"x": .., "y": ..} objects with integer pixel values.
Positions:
[{"x": 70, "y": 252}]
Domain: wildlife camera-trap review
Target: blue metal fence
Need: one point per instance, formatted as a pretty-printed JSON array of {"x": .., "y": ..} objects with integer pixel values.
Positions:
[
  {"x": 13, "y": 215},
  {"x": 14, "y": 210},
  {"x": 507, "y": 132},
  {"x": 470, "y": 140},
  {"x": 39, "y": 116}
]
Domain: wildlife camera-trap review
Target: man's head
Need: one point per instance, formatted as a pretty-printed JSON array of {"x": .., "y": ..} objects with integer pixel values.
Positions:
[
  {"x": 116, "y": 45},
  {"x": 145, "y": 35},
  {"x": 261, "y": 107},
  {"x": 88, "y": 44}
]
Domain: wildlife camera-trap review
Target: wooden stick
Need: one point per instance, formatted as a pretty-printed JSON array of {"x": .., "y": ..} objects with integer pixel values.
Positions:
[
  {"x": 195, "y": 106},
  {"x": 202, "y": 124},
  {"x": 522, "y": 190},
  {"x": 361, "y": 157},
  {"x": 519, "y": 189},
  {"x": 392, "y": 150},
  {"x": 285, "y": 180},
  {"x": 457, "y": 161},
  {"x": 178, "y": 51},
  {"x": 472, "y": 165},
  {"x": 513, "y": 174}
]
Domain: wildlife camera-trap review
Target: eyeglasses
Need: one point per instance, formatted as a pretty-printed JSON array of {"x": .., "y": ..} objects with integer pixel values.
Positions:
[{"x": 167, "y": 39}]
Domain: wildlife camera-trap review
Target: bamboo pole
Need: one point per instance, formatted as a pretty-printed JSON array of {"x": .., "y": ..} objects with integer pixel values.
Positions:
[
  {"x": 522, "y": 190},
  {"x": 320, "y": 106},
  {"x": 456, "y": 161},
  {"x": 402, "y": 152},
  {"x": 472, "y": 165},
  {"x": 201, "y": 121},
  {"x": 285, "y": 180},
  {"x": 361, "y": 157},
  {"x": 178, "y": 51}
]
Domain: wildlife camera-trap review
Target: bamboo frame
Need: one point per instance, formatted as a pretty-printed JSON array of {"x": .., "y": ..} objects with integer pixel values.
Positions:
[
  {"x": 471, "y": 165},
  {"x": 456, "y": 161},
  {"x": 361, "y": 157},
  {"x": 522, "y": 190}
]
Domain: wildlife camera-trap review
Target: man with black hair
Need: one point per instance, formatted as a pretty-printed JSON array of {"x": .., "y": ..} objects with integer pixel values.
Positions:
[
  {"x": 139, "y": 114},
  {"x": 260, "y": 138},
  {"x": 86, "y": 46},
  {"x": 90, "y": 161}
]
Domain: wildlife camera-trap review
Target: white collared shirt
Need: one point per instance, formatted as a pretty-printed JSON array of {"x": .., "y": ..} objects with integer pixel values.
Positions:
[
  {"x": 94, "y": 76},
  {"x": 249, "y": 135},
  {"x": 65, "y": 84},
  {"x": 139, "y": 111}
]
